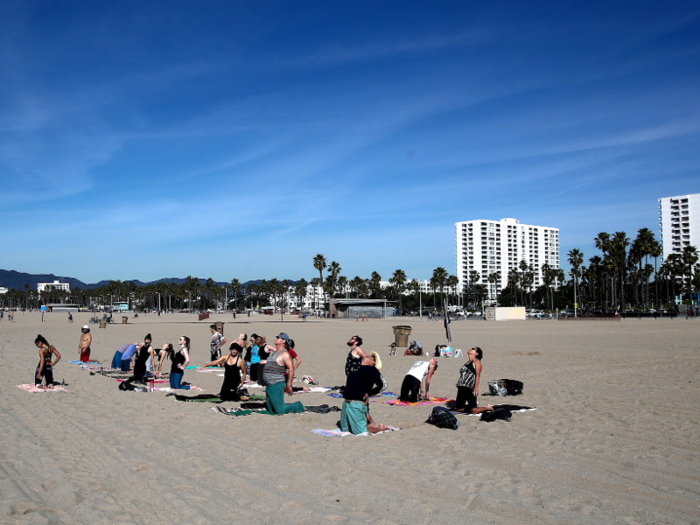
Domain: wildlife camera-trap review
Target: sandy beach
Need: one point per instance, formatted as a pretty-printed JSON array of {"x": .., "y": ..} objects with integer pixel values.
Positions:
[{"x": 614, "y": 438}]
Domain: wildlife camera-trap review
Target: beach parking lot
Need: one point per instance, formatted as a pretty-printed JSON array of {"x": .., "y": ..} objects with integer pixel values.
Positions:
[{"x": 614, "y": 438}]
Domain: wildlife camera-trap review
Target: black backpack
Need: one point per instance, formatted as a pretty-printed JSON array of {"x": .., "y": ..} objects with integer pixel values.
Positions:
[{"x": 441, "y": 417}]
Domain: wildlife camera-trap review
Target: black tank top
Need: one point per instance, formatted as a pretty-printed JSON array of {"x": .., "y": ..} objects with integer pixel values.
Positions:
[{"x": 178, "y": 359}]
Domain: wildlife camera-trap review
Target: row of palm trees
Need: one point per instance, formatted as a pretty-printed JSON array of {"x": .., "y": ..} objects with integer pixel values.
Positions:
[{"x": 622, "y": 276}]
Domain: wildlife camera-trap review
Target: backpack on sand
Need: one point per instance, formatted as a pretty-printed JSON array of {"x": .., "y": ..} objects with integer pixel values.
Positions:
[{"x": 442, "y": 418}]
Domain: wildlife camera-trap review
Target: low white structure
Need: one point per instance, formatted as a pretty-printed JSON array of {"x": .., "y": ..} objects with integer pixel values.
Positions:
[
  {"x": 56, "y": 285},
  {"x": 3, "y": 290},
  {"x": 504, "y": 313}
]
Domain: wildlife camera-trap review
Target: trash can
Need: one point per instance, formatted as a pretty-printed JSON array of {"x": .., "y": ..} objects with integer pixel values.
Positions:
[
  {"x": 103, "y": 323},
  {"x": 125, "y": 319},
  {"x": 220, "y": 328},
  {"x": 401, "y": 334}
]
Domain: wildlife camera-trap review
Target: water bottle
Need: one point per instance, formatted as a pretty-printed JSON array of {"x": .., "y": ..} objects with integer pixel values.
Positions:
[{"x": 63, "y": 382}]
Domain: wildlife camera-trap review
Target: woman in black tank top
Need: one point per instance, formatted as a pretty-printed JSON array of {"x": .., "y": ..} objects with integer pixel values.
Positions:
[
  {"x": 44, "y": 370},
  {"x": 234, "y": 368}
]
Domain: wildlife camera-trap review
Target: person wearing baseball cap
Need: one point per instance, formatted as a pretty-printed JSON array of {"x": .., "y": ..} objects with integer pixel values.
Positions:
[{"x": 84, "y": 344}]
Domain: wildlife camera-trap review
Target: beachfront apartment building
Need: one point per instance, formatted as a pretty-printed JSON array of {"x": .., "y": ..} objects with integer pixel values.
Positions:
[
  {"x": 679, "y": 222},
  {"x": 56, "y": 285},
  {"x": 487, "y": 247}
]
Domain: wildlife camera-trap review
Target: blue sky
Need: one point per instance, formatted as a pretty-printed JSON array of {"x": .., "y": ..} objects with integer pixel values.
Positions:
[{"x": 142, "y": 140}]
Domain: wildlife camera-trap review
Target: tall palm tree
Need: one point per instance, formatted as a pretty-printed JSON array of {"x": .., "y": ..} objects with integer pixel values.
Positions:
[
  {"x": 689, "y": 257},
  {"x": 334, "y": 269},
  {"x": 655, "y": 251},
  {"x": 440, "y": 276},
  {"x": 375, "y": 286},
  {"x": 602, "y": 242},
  {"x": 398, "y": 283},
  {"x": 342, "y": 285},
  {"x": 493, "y": 279},
  {"x": 320, "y": 265},
  {"x": 452, "y": 283},
  {"x": 575, "y": 260},
  {"x": 235, "y": 291}
]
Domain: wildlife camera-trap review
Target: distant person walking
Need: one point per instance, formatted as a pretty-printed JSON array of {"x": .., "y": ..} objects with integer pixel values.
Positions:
[
  {"x": 217, "y": 341},
  {"x": 84, "y": 344}
]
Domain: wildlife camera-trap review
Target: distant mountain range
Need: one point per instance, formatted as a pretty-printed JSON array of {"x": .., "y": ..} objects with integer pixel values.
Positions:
[{"x": 12, "y": 279}]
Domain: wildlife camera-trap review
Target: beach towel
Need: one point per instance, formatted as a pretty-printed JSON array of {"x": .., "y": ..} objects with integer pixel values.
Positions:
[
  {"x": 430, "y": 401},
  {"x": 207, "y": 369},
  {"x": 505, "y": 406},
  {"x": 340, "y": 396},
  {"x": 336, "y": 432},
  {"x": 209, "y": 398},
  {"x": 237, "y": 412},
  {"x": 33, "y": 389},
  {"x": 85, "y": 363},
  {"x": 322, "y": 409},
  {"x": 168, "y": 389}
]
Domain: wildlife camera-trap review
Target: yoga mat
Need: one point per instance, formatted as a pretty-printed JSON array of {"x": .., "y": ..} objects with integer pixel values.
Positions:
[
  {"x": 339, "y": 433},
  {"x": 382, "y": 394},
  {"x": 236, "y": 412},
  {"x": 34, "y": 390},
  {"x": 85, "y": 363},
  {"x": 432, "y": 401},
  {"x": 512, "y": 408}
]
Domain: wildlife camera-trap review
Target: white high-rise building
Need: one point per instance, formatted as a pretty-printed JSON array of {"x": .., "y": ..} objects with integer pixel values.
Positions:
[
  {"x": 499, "y": 246},
  {"x": 679, "y": 222}
]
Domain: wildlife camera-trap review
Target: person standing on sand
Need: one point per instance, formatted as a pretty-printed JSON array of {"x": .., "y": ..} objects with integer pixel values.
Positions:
[
  {"x": 276, "y": 383},
  {"x": 217, "y": 341},
  {"x": 412, "y": 386},
  {"x": 44, "y": 370},
  {"x": 84, "y": 344},
  {"x": 363, "y": 383},
  {"x": 355, "y": 356},
  {"x": 468, "y": 384}
]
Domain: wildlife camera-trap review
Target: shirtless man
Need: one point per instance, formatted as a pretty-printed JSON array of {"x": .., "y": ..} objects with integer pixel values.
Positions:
[{"x": 84, "y": 345}]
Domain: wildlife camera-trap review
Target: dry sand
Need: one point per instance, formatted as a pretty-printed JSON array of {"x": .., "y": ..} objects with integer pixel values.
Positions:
[{"x": 614, "y": 439}]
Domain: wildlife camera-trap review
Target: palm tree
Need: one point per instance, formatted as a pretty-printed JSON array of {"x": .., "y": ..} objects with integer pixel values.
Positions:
[
  {"x": 375, "y": 286},
  {"x": 356, "y": 284},
  {"x": 689, "y": 257},
  {"x": 398, "y": 283},
  {"x": 342, "y": 285},
  {"x": 494, "y": 278},
  {"x": 334, "y": 268},
  {"x": 655, "y": 251},
  {"x": 320, "y": 265},
  {"x": 300, "y": 291},
  {"x": 452, "y": 283},
  {"x": 440, "y": 276},
  {"x": 235, "y": 291},
  {"x": 602, "y": 242},
  {"x": 575, "y": 259}
]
